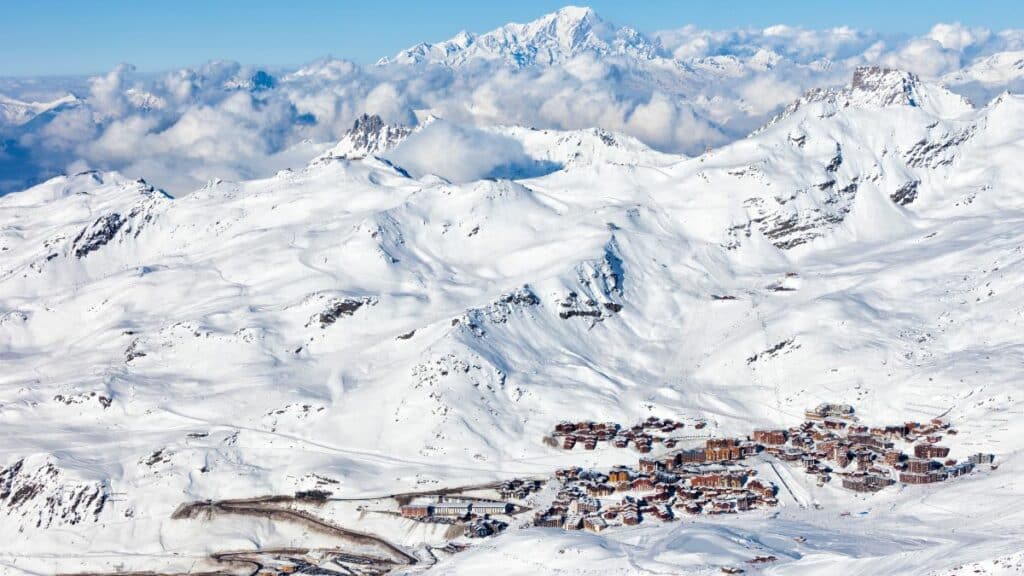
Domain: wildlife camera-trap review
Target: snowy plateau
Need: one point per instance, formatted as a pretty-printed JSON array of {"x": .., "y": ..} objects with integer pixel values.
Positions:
[{"x": 263, "y": 376}]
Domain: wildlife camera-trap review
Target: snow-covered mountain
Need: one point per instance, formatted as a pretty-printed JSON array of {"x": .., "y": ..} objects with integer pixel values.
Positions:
[
  {"x": 548, "y": 150},
  {"x": 369, "y": 136},
  {"x": 350, "y": 328},
  {"x": 551, "y": 39},
  {"x": 15, "y": 112},
  {"x": 989, "y": 75}
]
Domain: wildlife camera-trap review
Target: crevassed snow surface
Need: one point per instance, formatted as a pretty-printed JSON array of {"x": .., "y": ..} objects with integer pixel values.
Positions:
[{"x": 351, "y": 322}]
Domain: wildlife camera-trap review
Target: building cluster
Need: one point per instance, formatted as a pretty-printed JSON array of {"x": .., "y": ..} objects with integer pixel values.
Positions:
[
  {"x": 832, "y": 441},
  {"x": 641, "y": 436},
  {"x": 519, "y": 489},
  {"x": 482, "y": 527},
  {"x": 475, "y": 512},
  {"x": 698, "y": 481},
  {"x": 711, "y": 478}
]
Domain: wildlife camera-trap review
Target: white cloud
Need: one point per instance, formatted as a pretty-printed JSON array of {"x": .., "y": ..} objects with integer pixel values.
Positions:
[
  {"x": 958, "y": 37},
  {"x": 460, "y": 153}
]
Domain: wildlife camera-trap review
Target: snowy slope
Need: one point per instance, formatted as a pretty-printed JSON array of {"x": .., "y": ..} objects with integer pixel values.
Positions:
[
  {"x": 15, "y": 112},
  {"x": 349, "y": 322},
  {"x": 988, "y": 76}
]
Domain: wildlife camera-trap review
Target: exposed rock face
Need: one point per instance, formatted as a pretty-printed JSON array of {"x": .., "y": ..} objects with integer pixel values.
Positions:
[
  {"x": 906, "y": 194},
  {"x": 884, "y": 86},
  {"x": 498, "y": 312},
  {"x": 369, "y": 136},
  {"x": 340, "y": 308},
  {"x": 107, "y": 227},
  {"x": 98, "y": 234},
  {"x": 45, "y": 497}
]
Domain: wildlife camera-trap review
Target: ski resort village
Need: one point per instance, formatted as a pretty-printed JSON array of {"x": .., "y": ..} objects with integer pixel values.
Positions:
[
  {"x": 670, "y": 471},
  {"x": 710, "y": 478}
]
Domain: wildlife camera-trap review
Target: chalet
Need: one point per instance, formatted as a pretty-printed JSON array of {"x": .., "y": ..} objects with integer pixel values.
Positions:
[
  {"x": 719, "y": 454},
  {"x": 415, "y": 510},
  {"x": 959, "y": 469},
  {"x": 865, "y": 482},
  {"x": 479, "y": 529},
  {"x": 692, "y": 507},
  {"x": 826, "y": 410},
  {"x": 834, "y": 423},
  {"x": 758, "y": 487},
  {"x": 647, "y": 465},
  {"x": 600, "y": 490},
  {"x": 573, "y": 522},
  {"x": 630, "y": 512},
  {"x": 584, "y": 506},
  {"x": 671, "y": 461},
  {"x": 565, "y": 427},
  {"x": 688, "y": 494},
  {"x": 618, "y": 475},
  {"x": 792, "y": 454},
  {"x": 489, "y": 507},
  {"x": 920, "y": 478},
  {"x": 663, "y": 513},
  {"x": 717, "y": 481},
  {"x": 919, "y": 466},
  {"x": 723, "y": 506},
  {"x": 771, "y": 437},
  {"x": 595, "y": 524},
  {"x": 842, "y": 459},
  {"x": 660, "y": 495},
  {"x": 864, "y": 460},
  {"x": 930, "y": 451},
  {"x": 691, "y": 456},
  {"x": 642, "y": 484},
  {"x": 450, "y": 508},
  {"x": 568, "y": 473},
  {"x": 721, "y": 443},
  {"x": 980, "y": 458}
]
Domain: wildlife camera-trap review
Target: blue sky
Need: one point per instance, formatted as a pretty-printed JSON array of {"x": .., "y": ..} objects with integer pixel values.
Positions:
[{"x": 49, "y": 37}]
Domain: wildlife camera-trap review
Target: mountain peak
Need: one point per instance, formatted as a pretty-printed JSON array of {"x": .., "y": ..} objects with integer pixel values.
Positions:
[
  {"x": 573, "y": 16},
  {"x": 550, "y": 39},
  {"x": 884, "y": 86},
  {"x": 879, "y": 87},
  {"x": 576, "y": 12},
  {"x": 369, "y": 135}
]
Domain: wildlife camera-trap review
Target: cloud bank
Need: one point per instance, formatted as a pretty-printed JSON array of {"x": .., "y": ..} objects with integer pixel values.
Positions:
[
  {"x": 225, "y": 120},
  {"x": 461, "y": 153}
]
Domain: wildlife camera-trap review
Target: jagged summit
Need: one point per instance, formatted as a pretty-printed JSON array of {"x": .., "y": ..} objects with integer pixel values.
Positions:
[
  {"x": 884, "y": 86},
  {"x": 549, "y": 39},
  {"x": 369, "y": 136},
  {"x": 878, "y": 87}
]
